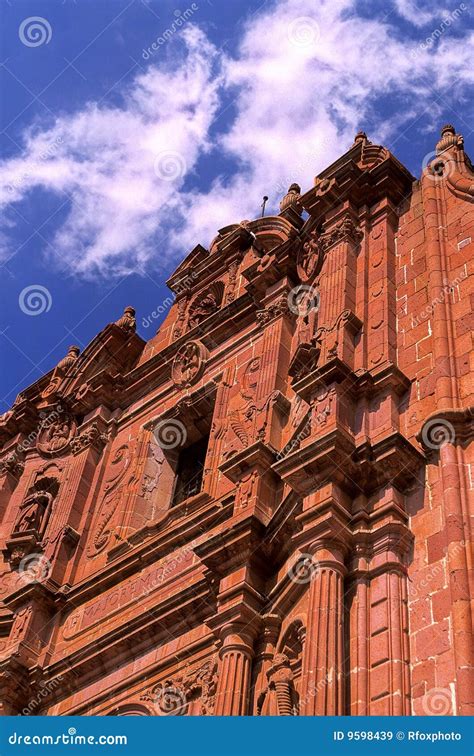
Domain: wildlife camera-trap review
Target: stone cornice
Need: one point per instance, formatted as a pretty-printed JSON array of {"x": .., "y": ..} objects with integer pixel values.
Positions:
[{"x": 447, "y": 426}]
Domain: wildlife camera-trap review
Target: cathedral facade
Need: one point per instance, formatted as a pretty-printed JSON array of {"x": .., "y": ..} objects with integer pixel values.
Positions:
[{"x": 265, "y": 509}]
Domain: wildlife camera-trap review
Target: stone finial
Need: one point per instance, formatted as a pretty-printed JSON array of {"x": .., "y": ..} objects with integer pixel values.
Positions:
[
  {"x": 127, "y": 321},
  {"x": 449, "y": 138},
  {"x": 291, "y": 198},
  {"x": 72, "y": 355},
  {"x": 361, "y": 136}
]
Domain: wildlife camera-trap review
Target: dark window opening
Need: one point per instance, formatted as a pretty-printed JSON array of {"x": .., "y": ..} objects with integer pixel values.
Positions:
[{"x": 190, "y": 471}]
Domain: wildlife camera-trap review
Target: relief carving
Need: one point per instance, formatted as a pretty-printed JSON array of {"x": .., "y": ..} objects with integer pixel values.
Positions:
[
  {"x": 36, "y": 508},
  {"x": 202, "y": 309},
  {"x": 344, "y": 230},
  {"x": 310, "y": 257},
  {"x": 232, "y": 271},
  {"x": 91, "y": 436},
  {"x": 55, "y": 433},
  {"x": 176, "y": 696},
  {"x": 247, "y": 417},
  {"x": 119, "y": 466},
  {"x": 189, "y": 363},
  {"x": 12, "y": 464},
  {"x": 61, "y": 369}
]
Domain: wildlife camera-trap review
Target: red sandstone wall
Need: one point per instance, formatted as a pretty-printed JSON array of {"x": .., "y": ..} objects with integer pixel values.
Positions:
[{"x": 324, "y": 567}]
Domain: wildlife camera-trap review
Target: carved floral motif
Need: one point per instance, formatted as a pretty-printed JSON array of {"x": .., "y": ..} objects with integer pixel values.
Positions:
[{"x": 174, "y": 696}]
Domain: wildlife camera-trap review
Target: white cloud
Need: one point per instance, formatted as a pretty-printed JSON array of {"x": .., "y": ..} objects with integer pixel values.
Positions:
[
  {"x": 415, "y": 13},
  {"x": 114, "y": 163},
  {"x": 303, "y": 79}
]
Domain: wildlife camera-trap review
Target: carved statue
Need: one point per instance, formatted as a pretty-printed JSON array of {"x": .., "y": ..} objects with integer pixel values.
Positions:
[
  {"x": 127, "y": 321},
  {"x": 32, "y": 512}
]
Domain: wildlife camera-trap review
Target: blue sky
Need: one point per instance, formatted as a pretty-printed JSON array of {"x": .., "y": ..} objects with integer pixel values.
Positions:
[{"x": 131, "y": 131}]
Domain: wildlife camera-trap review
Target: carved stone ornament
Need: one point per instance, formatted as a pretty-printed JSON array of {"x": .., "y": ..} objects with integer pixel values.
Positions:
[
  {"x": 119, "y": 465},
  {"x": 91, "y": 436},
  {"x": 33, "y": 511},
  {"x": 310, "y": 258},
  {"x": 127, "y": 322},
  {"x": 55, "y": 433},
  {"x": 274, "y": 310},
  {"x": 344, "y": 230},
  {"x": 60, "y": 371},
  {"x": 175, "y": 695},
  {"x": 189, "y": 363},
  {"x": 11, "y": 464},
  {"x": 291, "y": 199}
]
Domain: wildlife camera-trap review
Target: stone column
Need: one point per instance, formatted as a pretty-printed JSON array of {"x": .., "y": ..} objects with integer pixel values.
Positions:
[
  {"x": 264, "y": 654},
  {"x": 323, "y": 658},
  {"x": 233, "y": 685}
]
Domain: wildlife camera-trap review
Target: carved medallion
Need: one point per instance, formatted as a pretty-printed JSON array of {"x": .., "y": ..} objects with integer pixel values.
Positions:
[
  {"x": 189, "y": 363},
  {"x": 55, "y": 433}
]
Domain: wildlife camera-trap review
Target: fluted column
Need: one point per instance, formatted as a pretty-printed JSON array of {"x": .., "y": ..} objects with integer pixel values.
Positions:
[
  {"x": 233, "y": 686},
  {"x": 323, "y": 660}
]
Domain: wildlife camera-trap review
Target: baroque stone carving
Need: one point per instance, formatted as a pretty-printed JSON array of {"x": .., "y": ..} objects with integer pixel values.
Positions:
[
  {"x": 279, "y": 697},
  {"x": 12, "y": 464},
  {"x": 60, "y": 371},
  {"x": 36, "y": 507},
  {"x": 189, "y": 363},
  {"x": 202, "y": 309},
  {"x": 291, "y": 199},
  {"x": 127, "y": 322},
  {"x": 181, "y": 304},
  {"x": 55, "y": 433},
  {"x": 310, "y": 257},
  {"x": 91, "y": 436},
  {"x": 345, "y": 229},
  {"x": 247, "y": 417},
  {"x": 32, "y": 512},
  {"x": 232, "y": 271},
  {"x": 119, "y": 465},
  {"x": 175, "y": 695},
  {"x": 273, "y": 311}
]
